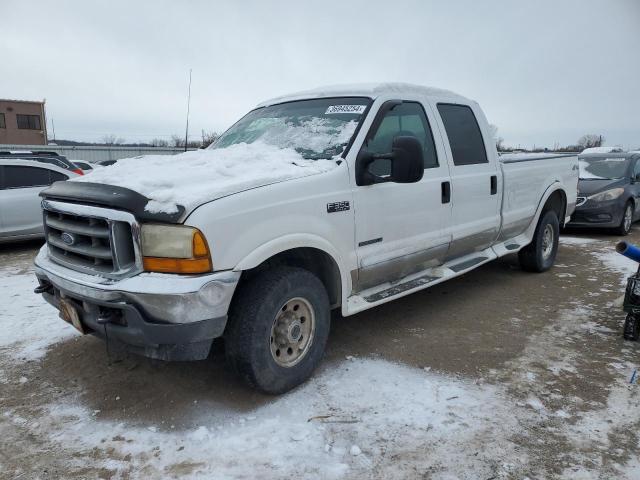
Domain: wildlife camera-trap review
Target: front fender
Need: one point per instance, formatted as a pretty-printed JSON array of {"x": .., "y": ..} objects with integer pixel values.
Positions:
[{"x": 290, "y": 242}]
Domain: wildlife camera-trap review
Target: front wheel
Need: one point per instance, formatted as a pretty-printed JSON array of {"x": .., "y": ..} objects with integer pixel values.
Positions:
[
  {"x": 540, "y": 254},
  {"x": 627, "y": 220},
  {"x": 278, "y": 328}
]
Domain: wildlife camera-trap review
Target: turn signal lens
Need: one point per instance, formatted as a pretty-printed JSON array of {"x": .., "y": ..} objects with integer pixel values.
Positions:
[
  {"x": 175, "y": 249},
  {"x": 177, "y": 265},
  {"x": 200, "y": 248}
]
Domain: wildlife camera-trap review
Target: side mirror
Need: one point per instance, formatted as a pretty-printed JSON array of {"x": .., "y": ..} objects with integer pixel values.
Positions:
[{"x": 407, "y": 163}]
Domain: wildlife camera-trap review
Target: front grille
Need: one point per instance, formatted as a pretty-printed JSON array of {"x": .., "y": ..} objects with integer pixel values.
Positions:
[{"x": 89, "y": 243}]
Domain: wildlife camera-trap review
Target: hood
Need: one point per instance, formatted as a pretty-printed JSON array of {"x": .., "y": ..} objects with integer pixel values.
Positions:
[
  {"x": 171, "y": 183},
  {"x": 591, "y": 187}
]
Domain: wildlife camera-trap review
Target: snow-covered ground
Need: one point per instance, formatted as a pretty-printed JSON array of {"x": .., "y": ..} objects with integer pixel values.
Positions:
[
  {"x": 28, "y": 324},
  {"x": 362, "y": 417},
  {"x": 341, "y": 421}
]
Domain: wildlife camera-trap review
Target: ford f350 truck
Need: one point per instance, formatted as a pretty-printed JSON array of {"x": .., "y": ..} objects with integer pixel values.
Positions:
[{"x": 337, "y": 198}]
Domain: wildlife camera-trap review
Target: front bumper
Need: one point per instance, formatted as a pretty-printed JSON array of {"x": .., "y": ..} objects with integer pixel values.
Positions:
[
  {"x": 170, "y": 317},
  {"x": 601, "y": 215}
]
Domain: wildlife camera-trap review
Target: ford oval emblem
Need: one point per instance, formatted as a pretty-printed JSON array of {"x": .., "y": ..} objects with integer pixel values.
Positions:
[{"x": 68, "y": 238}]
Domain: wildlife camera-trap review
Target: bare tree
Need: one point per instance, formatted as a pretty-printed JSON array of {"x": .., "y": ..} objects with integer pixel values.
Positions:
[
  {"x": 590, "y": 140},
  {"x": 208, "y": 138},
  {"x": 112, "y": 139},
  {"x": 177, "y": 141},
  {"x": 159, "y": 142},
  {"x": 499, "y": 140}
]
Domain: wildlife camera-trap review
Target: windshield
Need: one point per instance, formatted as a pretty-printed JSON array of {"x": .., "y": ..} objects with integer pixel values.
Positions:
[
  {"x": 318, "y": 128},
  {"x": 602, "y": 168}
]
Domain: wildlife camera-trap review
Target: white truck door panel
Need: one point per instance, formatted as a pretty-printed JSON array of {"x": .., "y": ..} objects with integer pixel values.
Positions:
[
  {"x": 402, "y": 228},
  {"x": 475, "y": 181}
]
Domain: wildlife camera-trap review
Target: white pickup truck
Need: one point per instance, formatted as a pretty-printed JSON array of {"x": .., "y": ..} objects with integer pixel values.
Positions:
[{"x": 338, "y": 198}]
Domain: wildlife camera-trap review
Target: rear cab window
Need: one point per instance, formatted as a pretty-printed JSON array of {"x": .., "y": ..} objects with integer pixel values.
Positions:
[{"x": 463, "y": 131}]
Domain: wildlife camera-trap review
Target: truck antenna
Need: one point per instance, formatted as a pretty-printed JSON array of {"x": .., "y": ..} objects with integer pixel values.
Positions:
[{"x": 186, "y": 133}]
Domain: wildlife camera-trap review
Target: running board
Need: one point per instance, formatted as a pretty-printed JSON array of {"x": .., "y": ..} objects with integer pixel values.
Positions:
[
  {"x": 418, "y": 281},
  {"x": 459, "y": 267}
]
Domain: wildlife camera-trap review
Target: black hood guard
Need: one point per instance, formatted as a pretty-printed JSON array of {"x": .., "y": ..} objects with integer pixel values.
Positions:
[{"x": 110, "y": 196}]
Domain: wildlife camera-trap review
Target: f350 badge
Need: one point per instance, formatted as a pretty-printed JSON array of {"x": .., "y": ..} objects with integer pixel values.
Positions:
[{"x": 338, "y": 207}]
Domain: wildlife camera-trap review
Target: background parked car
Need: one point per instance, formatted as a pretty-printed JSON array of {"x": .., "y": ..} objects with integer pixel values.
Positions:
[
  {"x": 608, "y": 191},
  {"x": 20, "y": 184},
  {"x": 84, "y": 166},
  {"x": 51, "y": 158},
  {"x": 106, "y": 163}
]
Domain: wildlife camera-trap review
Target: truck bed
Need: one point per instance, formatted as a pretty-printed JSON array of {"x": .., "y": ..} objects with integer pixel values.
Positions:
[{"x": 525, "y": 178}]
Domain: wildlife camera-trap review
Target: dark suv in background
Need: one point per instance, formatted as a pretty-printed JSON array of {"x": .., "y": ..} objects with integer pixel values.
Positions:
[
  {"x": 608, "y": 191},
  {"x": 51, "y": 158}
]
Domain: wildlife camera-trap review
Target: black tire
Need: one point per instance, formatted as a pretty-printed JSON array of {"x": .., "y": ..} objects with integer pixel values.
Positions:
[
  {"x": 249, "y": 335},
  {"x": 625, "y": 227},
  {"x": 532, "y": 257},
  {"x": 631, "y": 327}
]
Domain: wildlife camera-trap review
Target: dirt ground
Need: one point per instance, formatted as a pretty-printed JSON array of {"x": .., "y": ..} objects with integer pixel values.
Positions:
[{"x": 547, "y": 348}]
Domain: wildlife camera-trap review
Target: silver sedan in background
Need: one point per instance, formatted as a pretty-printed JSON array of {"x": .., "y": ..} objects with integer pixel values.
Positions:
[{"x": 20, "y": 184}]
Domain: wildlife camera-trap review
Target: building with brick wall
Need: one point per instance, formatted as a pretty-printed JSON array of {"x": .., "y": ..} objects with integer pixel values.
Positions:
[{"x": 22, "y": 123}]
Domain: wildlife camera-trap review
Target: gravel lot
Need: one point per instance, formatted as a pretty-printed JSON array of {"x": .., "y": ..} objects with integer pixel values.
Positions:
[{"x": 497, "y": 374}]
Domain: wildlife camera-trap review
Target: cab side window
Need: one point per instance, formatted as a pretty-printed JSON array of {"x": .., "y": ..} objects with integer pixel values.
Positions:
[
  {"x": 465, "y": 137},
  {"x": 406, "y": 119},
  {"x": 26, "y": 177}
]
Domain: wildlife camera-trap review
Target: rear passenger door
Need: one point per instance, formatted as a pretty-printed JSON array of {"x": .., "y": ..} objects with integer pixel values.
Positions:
[
  {"x": 474, "y": 181},
  {"x": 19, "y": 197}
]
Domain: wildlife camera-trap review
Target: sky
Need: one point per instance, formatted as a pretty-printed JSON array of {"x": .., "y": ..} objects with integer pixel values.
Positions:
[{"x": 544, "y": 72}]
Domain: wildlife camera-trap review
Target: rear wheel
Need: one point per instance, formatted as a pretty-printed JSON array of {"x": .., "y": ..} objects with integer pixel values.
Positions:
[
  {"x": 540, "y": 254},
  {"x": 278, "y": 328},
  {"x": 627, "y": 220}
]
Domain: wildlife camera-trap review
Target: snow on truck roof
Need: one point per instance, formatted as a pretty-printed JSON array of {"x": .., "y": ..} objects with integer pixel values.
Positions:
[{"x": 372, "y": 90}]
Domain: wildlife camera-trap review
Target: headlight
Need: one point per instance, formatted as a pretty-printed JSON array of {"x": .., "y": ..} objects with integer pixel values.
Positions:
[
  {"x": 174, "y": 249},
  {"x": 607, "y": 195}
]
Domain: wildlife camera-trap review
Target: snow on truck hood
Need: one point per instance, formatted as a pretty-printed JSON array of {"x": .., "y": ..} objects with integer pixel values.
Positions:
[{"x": 196, "y": 177}]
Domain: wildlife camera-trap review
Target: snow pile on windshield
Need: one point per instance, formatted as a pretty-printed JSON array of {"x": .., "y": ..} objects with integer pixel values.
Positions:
[
  {"x": 584, "y": 172},
  {"x": 316, "y": 134},
  {"x": 602, "y": 168},
  {"x": 192, "y": 178}
]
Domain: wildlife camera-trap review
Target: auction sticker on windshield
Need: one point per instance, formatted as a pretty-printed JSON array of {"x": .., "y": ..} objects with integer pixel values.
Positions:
[{"x": 345, "y": 109}]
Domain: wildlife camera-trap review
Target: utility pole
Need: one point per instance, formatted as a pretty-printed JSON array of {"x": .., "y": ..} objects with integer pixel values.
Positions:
[
  {"x": 186, "y": 133},
  {"x": 53, "y": 127}
]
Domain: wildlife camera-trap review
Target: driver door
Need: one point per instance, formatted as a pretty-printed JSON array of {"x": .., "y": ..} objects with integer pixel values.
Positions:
[{"x": 402, "y": 228}]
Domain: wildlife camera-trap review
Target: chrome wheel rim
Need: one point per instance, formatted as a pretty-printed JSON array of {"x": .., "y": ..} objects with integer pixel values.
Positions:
[
  {"x": 627, "y": 219},
  {"x": 292, "y": 332},
  {"x": 547, "y": 241}
]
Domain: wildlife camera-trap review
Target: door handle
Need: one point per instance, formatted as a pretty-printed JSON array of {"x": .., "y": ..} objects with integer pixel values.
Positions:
[
  {"x": 494, "y": 184},
  {"x": 446, "y": 192}
]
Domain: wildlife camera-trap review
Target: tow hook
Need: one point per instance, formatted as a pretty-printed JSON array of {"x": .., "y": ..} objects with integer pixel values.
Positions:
[
  {"x": 44, "y": 287},
  {"x": 107, "y": 315}
]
